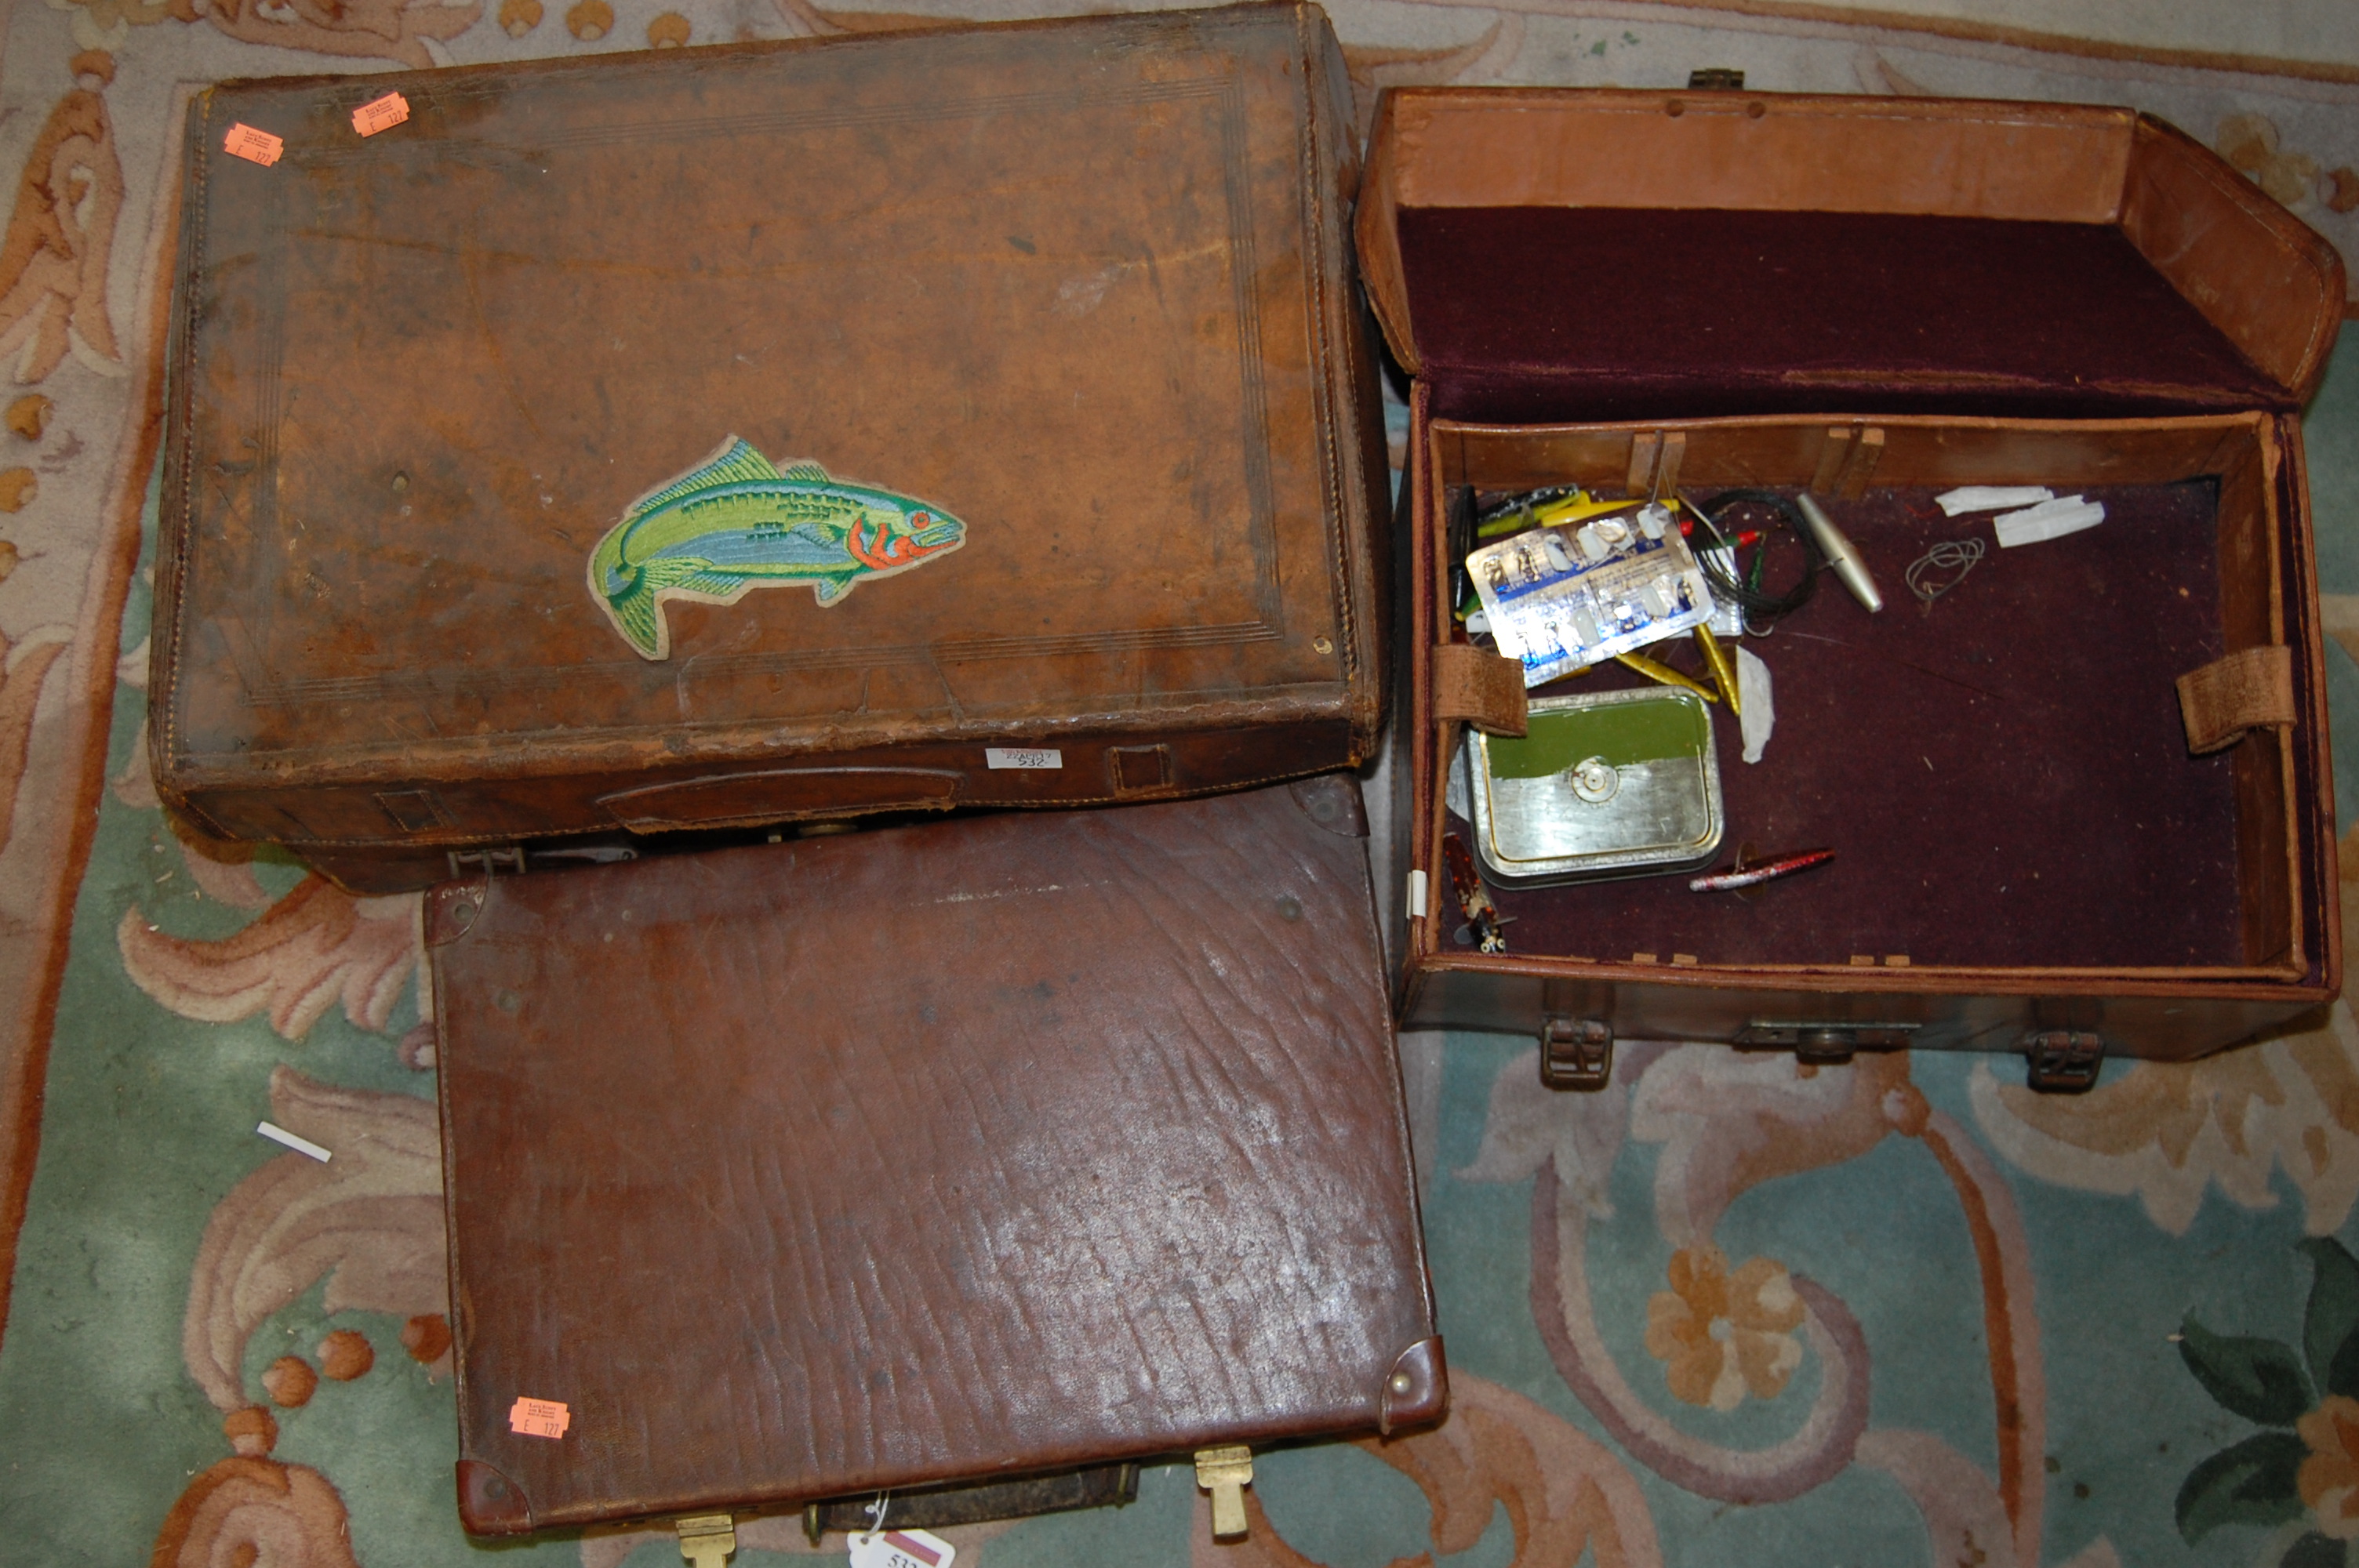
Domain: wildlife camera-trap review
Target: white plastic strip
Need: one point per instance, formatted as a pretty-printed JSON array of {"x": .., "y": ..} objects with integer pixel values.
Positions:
[
  {"x": 1417, "y": 895},
  {"x": 1991, "y": 497},
  {"x": 300, "y": 1144},
  {"x": 2049, "y": 520}
]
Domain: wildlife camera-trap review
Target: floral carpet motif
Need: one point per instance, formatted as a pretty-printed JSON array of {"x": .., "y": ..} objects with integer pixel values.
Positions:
[{"x": 1731, "y": 1309}]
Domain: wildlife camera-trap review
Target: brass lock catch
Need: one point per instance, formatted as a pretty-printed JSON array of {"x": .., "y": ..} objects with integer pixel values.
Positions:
[
  {"x": 706, "y": 1541},
  {"x": 1226, "y": 1473},
  {"x": 1576, "y": 1053},
  {"x": 2062, "y": 1061}
]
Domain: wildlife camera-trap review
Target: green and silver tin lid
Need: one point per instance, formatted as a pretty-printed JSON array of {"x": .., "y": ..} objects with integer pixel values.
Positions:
[{"x": 1616, "y": 783}]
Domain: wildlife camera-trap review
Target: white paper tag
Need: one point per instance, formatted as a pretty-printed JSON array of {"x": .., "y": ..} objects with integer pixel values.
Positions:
[
  {"x": 1991, "y": 498},
  {"x": 900, "y": 1549},
  {"x": 1755, "y": 691},
  {"x": 2049, "y": 520},
  {"x": 1048, "y": 758}
]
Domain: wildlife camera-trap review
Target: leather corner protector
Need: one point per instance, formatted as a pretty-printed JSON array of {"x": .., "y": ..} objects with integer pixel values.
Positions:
[
  {"x": 1484, "y": 689},
  {"x": 452, "y": 909},
  {"x": 491, "y": 1503},
  {"x": 1416, "y": 1390},
  {"x": 2246, "y": 690},
  {"x": 1332, "y": 801}
]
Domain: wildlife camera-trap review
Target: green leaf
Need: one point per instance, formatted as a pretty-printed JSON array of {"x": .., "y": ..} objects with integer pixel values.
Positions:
[
  {"x": 2252, "y": 1483},
  {"x": 2314, "y": 1550},
  {"x": 2258, "y": 1378},
  {"x": 2329, "y": 1327}
]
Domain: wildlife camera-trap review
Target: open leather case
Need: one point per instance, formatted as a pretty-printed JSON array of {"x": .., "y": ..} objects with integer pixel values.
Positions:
[{"x": 1875, "y": 300}]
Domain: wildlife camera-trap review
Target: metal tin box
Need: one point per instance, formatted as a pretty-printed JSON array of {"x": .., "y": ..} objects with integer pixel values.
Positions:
[{"x": 1614, "y": 783}]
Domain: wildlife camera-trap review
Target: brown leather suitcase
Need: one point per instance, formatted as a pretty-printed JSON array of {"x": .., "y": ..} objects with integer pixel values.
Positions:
[
  {"x": 981, "y": 417},
  {"x": 958, "y": 1151},
  {"x": 1875, "y": 300}
]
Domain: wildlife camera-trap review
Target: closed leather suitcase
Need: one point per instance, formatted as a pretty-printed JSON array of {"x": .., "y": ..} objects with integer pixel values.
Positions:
[
  {"x": 960, "y": 1152},
  {"x": 1872, "y": 301},
  {"x": 684, "y": 440}
]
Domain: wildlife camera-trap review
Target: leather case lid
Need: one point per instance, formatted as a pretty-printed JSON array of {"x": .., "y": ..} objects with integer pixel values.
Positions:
[
  {"x": 943, "y": 1152},
  {"x": 1080, "y": 286},
  {"x": 1542, "y": 256}
]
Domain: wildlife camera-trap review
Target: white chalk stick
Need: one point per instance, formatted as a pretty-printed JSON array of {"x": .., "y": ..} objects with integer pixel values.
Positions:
[{"x": 300, "y": 1144}]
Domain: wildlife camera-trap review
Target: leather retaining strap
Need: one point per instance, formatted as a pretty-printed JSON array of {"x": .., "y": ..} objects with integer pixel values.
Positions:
[
  {"x": 2227, "y": 697},
  {"x": 1484, "y": 689}
]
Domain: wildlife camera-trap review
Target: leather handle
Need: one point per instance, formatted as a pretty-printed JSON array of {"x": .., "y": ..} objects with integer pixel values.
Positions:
[
  {"x": 2246, "y": 690},
  {"x": 779, "y": 794},
  {"x": 1483, "y": 690}
]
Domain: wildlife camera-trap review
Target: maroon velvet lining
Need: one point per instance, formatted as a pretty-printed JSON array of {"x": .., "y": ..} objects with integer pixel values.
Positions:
[
  {"x": 2004, "y": 780},
  {"x": 1531, "y": 315}
]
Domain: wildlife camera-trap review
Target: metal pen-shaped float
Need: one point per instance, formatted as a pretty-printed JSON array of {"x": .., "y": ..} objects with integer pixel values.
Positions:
[{"x": 1841, "y": 553}]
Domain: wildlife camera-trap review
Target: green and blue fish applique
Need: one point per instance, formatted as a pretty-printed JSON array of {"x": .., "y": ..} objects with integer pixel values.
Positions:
[{"x": 734, "y": 522}]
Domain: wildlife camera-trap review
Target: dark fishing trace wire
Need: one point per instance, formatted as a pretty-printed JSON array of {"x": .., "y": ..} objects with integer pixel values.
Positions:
[{"x": 1761, "y": 608}]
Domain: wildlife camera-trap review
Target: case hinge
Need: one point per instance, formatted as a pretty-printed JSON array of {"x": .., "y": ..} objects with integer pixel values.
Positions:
[
  {"x": 1576, "y": 1053},
  {"x": 491, "y": 862},
  {"x": 707, "y": 1540},
  {"x": 1225, "y": 1472},
  {"x": 1716, "y": 79},
  {"x": 2062, "y": 1062}
]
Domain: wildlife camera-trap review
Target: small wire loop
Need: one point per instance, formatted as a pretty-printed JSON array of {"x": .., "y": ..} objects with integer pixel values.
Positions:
[{"x": 1953, "y": 557}]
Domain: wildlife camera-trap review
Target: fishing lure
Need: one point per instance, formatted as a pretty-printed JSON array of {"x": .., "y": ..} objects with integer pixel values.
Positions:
[
  {"x": 1482, "y": 916},
  {"x": 1745, "y": 876},
  {"x": 1724, "y": 672},
  {"x": 1655, "y": 670}
]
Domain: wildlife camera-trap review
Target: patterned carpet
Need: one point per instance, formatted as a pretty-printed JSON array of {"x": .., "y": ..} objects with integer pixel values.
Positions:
[{"x": 1729, "y": 1311}]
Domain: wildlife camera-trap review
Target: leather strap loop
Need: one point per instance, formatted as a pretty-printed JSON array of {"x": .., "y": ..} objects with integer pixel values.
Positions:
[
  {"x": 2244, "y": 691},
  {"x": 1483, "y": 689}
]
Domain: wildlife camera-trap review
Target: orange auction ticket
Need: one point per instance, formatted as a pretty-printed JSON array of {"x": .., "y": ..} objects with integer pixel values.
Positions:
[
  {"x": 539, "y": 1418},
  {"x": 255, "y": 147},
  {"x": 380, "y": 113}
]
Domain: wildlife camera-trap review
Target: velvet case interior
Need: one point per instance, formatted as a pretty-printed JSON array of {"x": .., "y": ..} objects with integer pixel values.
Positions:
[
  {"x": 1649, "y": 313},
  {"x": 2002, "y": 774}
]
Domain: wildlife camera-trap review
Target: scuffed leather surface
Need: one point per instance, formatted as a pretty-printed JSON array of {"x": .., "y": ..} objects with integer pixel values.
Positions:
[
  {"x": 1084, "y": 285},
  {"x": 980, "y": 1147}
]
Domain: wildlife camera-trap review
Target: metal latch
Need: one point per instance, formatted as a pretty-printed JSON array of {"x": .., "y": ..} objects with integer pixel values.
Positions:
[
  {"x": 1823, "y": 1042},
  {"x": 490, "y": 862},
  {"x": 1716, "y": 79},
  {"x": 2062, "y": 1062},
  {"x": 707, "y": 1540},
  {"x": 1576, "y": 1053},
  {"x": 1225, "y": 1472}
]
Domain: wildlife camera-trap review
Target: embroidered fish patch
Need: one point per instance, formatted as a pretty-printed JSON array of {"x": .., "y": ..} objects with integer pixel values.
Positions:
[{"x": 734, "y": 522}]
